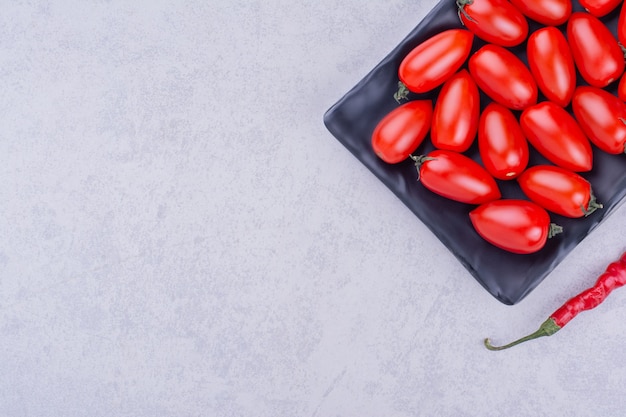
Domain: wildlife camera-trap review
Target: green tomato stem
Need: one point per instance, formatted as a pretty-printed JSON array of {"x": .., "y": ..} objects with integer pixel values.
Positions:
[
  {"x": 460, "y": 4},
  {"x": 555, "y": 229},
  {"x": 402, "y": 93},
  {"x": 592, "y": 206},
  {"x": 419, "y": 160}
]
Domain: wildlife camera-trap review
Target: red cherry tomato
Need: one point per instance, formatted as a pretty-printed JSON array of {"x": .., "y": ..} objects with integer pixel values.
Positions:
[
  {"x": 494, "y": 21},
  {"x": 556, "y": 135},
  {"x": 503, "y": 77},
  {"x": 402, "y": 130},
  {"x": 435, "y": 60},
  {"x": 455, "y": 118},
  {"x": 597, "y": 54},
  {"x": 546, "y": 12},
  {"x": 602, "y": 116},
  {"x": 502, "y": 145},
  {"x": 551, "y": 63},
  {"x": 518, "y": 226},
  {"x": 600, "y": 8},
  {"x": 457, "y": 177},
  {"x": 621, "y": 25},
  {"x": 558, "y": 190}
]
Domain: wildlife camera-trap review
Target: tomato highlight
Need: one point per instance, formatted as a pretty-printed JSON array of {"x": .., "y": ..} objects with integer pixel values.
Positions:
[
  {"x": 455, "y": 118},
  {"x": 402, "y": 130},
  {"x": 557, "y": 136},
  {"x": 456, "y": 176},
  {"x": 435, "y": 60},
  {"x": 494, "y": 21},
  {"x": 600, "y": 8},
  {"x": 598, "y": 56},
  {"x": 552, "y": 64},
  {"x": 546, "y": 12},
  {"x": 503, "y": 77},
  {"x": 502, "y": 145},
  {"x": 517, "y": 226},
  {"x": 559, "y": 190},
  {"x": 602, "y": 117}
]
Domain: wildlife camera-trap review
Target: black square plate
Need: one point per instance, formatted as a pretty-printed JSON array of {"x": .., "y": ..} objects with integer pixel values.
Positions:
[{"x": 508, "y": 277}]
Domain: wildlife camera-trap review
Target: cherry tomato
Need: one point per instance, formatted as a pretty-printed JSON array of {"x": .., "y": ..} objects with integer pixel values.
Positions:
[
  {"x": 494, "y": 21},
  {"x": 457, "y": 177},
  {"x": 621, "y": 88},
  {"x": 597, "y": 54},
  {"x": 551, "y": 63},
  {"x": 455, "y": 118},
  {"x": 518, "y": 226},
  {"x": 546, "y": 12},
  {"x": 502, "y": 145},
  {"x": 402, "y": 130},
  {"x": 556, "y": 135},
  {"x": 435, "y": 60},
  {"x": 600, "y": 8},
  {"x": 621, "y": 25},
  {"x": 503, "y": 77},
  {"x": 602, "y": 116},
  {"x": 558, "y": 190}
]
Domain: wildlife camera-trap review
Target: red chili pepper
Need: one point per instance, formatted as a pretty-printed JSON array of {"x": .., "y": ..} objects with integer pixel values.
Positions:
[{"x": 614, "y": 277}]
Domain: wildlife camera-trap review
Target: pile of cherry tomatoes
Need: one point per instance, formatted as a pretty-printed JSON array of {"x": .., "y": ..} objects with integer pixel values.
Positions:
[{"x": 562, "y": 127}]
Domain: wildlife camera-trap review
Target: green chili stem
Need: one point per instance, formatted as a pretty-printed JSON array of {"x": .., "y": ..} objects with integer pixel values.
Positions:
[{"x": 547, "y": 328}]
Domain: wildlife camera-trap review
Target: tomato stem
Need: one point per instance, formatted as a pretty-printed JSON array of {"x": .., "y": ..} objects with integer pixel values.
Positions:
[
  {"x": 555, "y": 229},
  {"x": 419, "y": 160},
  {"x": 402, "y": 93},
  {"x": 547, "y": 328},
  {"x": 592, "y": 206},
  {"x": 460, "y": 4}
]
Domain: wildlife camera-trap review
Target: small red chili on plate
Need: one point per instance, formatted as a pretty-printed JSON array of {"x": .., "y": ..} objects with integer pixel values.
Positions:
[{"x": 614, "y": 277}]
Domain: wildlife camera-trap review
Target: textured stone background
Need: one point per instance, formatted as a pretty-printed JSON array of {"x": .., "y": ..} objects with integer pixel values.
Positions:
[{"x": 181, "y": 236}]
